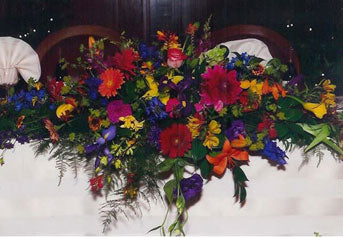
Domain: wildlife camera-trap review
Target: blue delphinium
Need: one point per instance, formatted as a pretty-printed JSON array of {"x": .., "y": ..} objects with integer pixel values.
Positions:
[
  {"x": 273, "y": 152},
  {"x": 93, "y": 83},
  {"x": 27, "y": 100},
  {"x": 156, "y": 110}
]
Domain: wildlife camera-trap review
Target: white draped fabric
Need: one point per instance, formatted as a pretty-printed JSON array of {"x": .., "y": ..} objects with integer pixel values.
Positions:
[
  {"x": 17, "y": 56},
  {"x": 279, "y": 202}
]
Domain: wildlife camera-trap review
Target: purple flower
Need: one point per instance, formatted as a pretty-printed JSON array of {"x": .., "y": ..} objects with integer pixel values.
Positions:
[
  {"x": 154, "y": 136},
  {"x": 237, "y": 127},
  {"x": 191, "y": 187},
  {"x": 90, "y": 148},
  {"x": 155, "y": 110},
  {"x": 109, "y": 133},
  {"x": 273, "y": 152},
  {"x": 117, "y": 109}
]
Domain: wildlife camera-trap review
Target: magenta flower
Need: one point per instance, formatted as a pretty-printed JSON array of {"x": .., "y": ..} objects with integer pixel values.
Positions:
[{"x": 117, "y": 109}]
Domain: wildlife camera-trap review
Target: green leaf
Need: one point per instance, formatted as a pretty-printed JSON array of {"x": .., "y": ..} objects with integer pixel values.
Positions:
[
  {"x": 205, "y": 168},
  {"x": 281, "y": 129},
  {"x": 321, "y": 135},
  {"x": 169, "y": 189},
  {"x": 123, "y": 132},
  {"x": 239, "y": 175},
  {"x": 166, "y": 165},
  {"x": 243, "y": 194},
  {"x": 198, "y": 150},
  {"x": 292, "y": 115}
]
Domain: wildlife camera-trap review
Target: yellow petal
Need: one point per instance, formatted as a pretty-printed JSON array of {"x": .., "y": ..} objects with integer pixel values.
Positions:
[
  {"x": 214, "y": 127},
  {"x": 319, "y": 110},
  {"x": 245, "y": 84}
]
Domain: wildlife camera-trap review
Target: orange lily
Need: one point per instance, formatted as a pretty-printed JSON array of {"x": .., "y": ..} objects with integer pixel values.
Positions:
[
  {"x": 228, "y": 154},
  {"x": 275, "y": 89}
]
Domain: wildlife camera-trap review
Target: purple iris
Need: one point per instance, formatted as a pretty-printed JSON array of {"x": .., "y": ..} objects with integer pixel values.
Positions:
[
  {"x": 107, "y": 135},
  {"x": 273, "y": 152},
  {"x": 191, "y": 187},
  {"x": 237, "y": 127}
]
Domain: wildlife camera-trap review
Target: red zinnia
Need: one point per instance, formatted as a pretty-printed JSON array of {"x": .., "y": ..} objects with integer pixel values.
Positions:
[
  {"x": 175, "y": 140},
  {"x": 219, "y": 87},
  {"x": 124, "y": 61}
]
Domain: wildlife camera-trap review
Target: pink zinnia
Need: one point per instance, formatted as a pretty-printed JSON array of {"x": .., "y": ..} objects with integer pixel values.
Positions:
[
  {"x": 117, "y": 109},
  {"x": 171, "y": 104},
  {"x": 219, "y": 87}
]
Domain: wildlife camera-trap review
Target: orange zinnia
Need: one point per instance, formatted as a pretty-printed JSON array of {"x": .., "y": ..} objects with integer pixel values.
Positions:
[
  {"x": 112, "y": 79},
  {"x": 229, "y": 153}
]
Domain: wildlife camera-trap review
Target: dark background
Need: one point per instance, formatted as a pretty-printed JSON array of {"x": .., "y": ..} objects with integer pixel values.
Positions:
[{"x": 314, "y": 27}]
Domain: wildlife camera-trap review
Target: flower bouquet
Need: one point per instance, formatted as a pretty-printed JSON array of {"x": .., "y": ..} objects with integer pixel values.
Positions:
[{"x": 173, "y": 108}]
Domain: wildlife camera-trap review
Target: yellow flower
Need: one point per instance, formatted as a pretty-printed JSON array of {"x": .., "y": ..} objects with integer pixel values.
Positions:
[
  {"x": 38, "y": 86},
  {"x": 319, "y": 110},
  {"x": 253, "y": 85},
  {"x": 131, "y": 123},
  {"x": 117, "y": 164},
  {"x": 211, "y": 141},
  {"x": 329, "y": 99},
  {"x": 153, "y": 87},
  {"x": 62, "y": 110},
  {"x": 194, "y": 125},
  {"x": 214, "y": 127},
  {"x": 328, "y": 86}
]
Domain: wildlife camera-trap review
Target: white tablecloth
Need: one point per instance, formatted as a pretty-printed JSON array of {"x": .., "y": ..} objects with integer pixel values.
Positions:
[{"x": 279, "y": 202}]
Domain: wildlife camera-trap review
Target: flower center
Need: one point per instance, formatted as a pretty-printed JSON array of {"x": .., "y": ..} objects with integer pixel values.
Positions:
[
  {"x": 109, "y": 83},
  {"x": 176, "y": 141}
]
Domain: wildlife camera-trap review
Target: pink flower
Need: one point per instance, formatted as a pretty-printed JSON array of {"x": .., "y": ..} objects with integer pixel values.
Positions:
[
  {"x": 171, "y": 104},
  {"x": 117, "y": 109},
  {"x": 175, "y": 58},
  {"x": 219, "y": 87}
]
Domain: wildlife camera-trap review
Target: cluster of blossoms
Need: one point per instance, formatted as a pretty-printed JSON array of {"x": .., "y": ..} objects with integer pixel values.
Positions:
[{"x": 185, "y": 102}]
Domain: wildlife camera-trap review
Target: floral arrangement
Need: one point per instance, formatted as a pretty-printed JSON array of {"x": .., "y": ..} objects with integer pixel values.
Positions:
[{"x": 147, "y": 111}]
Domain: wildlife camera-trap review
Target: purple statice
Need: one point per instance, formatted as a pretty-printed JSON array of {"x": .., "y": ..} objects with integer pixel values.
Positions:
[
  {"x": 8, "y": 145},
  {"x": 154, "y": 136},
  {"x": 191, "y": 187},
  {"x": 273, "y": 152},
  {"x": 22, "y": 139},
  {"x": 155, "y": 110},
  {"x": 237, "y": 127}
]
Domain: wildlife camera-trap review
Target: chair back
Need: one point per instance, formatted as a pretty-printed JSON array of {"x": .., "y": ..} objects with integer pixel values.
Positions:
[{"x": 65, "y": 43}]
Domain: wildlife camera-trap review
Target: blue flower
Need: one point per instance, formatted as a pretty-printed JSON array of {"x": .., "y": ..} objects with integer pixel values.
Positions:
[
  {"x": 154, "y": 136},
  {"x": 148, "y": 52},
  {"x": 273, "y": 152},
  {"x": 93, "y": 83},
  {"x": 156, "y": 110},
  {"x": 231, "y": 64}
]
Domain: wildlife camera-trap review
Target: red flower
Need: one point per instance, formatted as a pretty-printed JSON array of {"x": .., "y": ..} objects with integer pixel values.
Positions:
[
  {"x": 112, "y": 79},
  {"x": 96, "y": 183},
  {"x": 124, "y": 61},
  {"x": 175, "y": 140},
  {"x": 192, "y": 28},
  {"x": 268, "y": 124},
  {"x": 219, "y": 87},
  {"x": 55, "y": 88},
  {"x": 175, "y": 58}
]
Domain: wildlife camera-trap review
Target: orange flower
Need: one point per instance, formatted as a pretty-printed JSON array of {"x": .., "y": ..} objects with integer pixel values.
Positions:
[
  {"x": 276, "y": 89},
  {"x": 112, "y": 79},
  {"x": 50, "y": 127},
  {"x": 20, "y": 121},
  {"x": 228, "y": 154},
  {"x": 94, "y": 123}
]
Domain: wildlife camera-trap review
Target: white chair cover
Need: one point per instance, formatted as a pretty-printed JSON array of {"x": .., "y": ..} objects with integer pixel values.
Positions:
[
  {"x": 250, "y": 46},
  {"x": 17, "y": 56}
]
